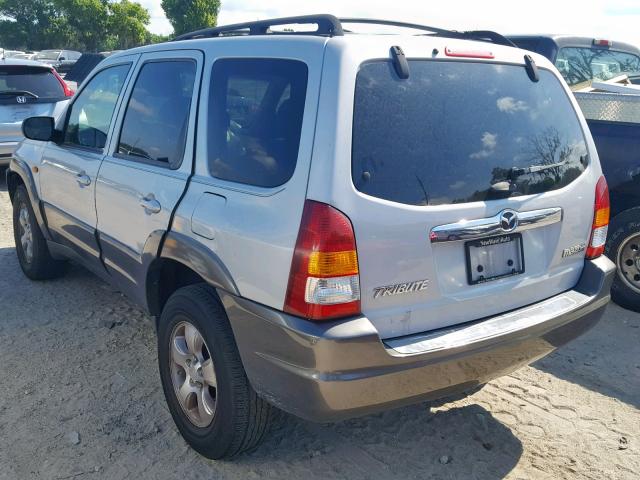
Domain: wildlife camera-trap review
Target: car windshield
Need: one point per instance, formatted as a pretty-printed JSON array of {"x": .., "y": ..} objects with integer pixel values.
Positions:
[
  {"x": 580, "y": 65},
  {"x": 456, "y": 132},
  {"x": 48, "y": 55},
  {"x": 35, "y": 81}
]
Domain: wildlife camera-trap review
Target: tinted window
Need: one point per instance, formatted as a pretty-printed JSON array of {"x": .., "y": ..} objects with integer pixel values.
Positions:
[
  {"x": 157, "y": 116},
  {"x": 255, "y": 118},
  {"x": 35, "y": 80},
  {"x": 579, "y": 65},
  {"x": 90, "y": 117},
  {"x": 462, "y": 132}
]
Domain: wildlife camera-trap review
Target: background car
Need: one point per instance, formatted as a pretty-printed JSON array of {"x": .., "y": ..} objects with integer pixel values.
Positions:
[
  {"x": 27, "y": 89},
  {"x": 61, "y": 60}
]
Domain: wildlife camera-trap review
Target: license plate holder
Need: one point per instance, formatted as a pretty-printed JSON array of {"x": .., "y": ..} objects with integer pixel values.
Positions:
[{"x": 493, "y": 258}]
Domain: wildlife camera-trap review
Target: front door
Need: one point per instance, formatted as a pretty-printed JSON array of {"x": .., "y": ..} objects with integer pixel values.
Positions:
[
  {"x": 149, "y": 162},
  {"x": 69, "y": 169}
]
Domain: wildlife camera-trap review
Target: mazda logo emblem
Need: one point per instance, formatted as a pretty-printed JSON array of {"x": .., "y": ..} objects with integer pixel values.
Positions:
[
  {"x": 508, "y": 220},
  {"x": 21, "y": 99}
]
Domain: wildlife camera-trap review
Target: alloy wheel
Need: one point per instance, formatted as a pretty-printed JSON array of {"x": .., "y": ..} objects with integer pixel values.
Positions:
[{"x": 193, "y": 374}]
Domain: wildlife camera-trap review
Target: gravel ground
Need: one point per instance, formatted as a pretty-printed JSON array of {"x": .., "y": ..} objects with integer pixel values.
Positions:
[{"x": 80, "y": 398}]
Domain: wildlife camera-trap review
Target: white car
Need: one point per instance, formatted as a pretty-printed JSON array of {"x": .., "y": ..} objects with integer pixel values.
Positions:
[{"x": 27, "y": 89}]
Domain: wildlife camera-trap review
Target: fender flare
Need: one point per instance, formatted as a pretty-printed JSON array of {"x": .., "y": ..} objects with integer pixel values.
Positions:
[
  {"x": 20, "y": 168},
  {"x": 200, "y": 259}
]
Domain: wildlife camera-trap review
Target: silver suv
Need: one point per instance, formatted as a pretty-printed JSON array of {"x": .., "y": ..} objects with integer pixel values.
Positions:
[{"x": 330, "y": 223}]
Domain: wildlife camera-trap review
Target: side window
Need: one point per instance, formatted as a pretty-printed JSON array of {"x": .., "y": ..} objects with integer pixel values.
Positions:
[
  {"x": 90, "y": 117},
  {"x": 157, "y": 116},
  {"x": 255, "y": 118}
]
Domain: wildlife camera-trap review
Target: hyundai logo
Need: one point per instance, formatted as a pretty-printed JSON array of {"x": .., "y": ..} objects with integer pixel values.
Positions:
[
  {"x": 509, "y": 220},
  {"x": 21, "y": 99}
]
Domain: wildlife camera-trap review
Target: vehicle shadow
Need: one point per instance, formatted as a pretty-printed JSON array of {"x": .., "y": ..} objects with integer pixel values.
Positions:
[
  {"x": 606, "y": 359},
  {"x": 461, "y": 442}
]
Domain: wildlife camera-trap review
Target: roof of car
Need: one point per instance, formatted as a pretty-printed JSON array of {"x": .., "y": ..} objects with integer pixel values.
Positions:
[{"x": 22, "y": 62}]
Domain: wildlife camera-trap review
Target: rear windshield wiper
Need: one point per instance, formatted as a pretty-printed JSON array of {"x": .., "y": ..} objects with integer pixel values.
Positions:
[
  {"x": 516, "y": 172},
  {"x": 19, "y": 93}
]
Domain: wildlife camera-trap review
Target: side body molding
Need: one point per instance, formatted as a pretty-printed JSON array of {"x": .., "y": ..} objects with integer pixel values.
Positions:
[
  {"x": 207, "y": 264},
  {"x": 20, "y": 168}
]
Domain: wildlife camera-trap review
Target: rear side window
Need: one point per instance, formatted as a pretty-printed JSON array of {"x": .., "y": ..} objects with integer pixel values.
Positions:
[
  {"x": 157, "y": 116},
  {"x": 458, "y": 132},
  {"x": 90, "y": 115},
  {"x": 578, "y": 65},
  {"x": 31, "y": 82},
  {"x": 255, "y": 118}
]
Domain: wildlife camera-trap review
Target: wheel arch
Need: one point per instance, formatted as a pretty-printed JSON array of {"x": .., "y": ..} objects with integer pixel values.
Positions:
[{"x": 183, "y": 261}]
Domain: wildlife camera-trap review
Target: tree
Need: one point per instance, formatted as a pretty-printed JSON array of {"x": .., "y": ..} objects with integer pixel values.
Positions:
[
  {"x": 29, "y": 24},
  {"x": 189, "y": 15},
  {"x": 87, "y": 25},
  {"x": 128, "y": 25}
]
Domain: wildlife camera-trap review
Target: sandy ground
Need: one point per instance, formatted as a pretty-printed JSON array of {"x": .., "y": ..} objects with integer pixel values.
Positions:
[{"x": 80, "y": 398}]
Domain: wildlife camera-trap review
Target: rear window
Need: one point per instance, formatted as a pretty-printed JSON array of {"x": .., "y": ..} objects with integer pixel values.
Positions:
[
  {"x": 578, "y": 65},
  {"x": 458, "y": 132},
  {"x": 29, "y": 80}
]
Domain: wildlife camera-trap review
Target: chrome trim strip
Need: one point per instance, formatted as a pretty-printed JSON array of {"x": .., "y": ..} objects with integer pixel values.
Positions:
[{"x": 486, "y": 227}]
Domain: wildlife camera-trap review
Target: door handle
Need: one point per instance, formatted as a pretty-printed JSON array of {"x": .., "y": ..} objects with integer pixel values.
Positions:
[
  {"x": 150, "y": 204},
  {"x": 83, "y": 179}
]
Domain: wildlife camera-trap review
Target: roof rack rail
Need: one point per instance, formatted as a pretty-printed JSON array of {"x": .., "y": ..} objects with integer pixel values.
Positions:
[
  {"x": 328, "y": 25},
  {"x": 481, "y": 35},
  {"x": 331, "y": 26}
]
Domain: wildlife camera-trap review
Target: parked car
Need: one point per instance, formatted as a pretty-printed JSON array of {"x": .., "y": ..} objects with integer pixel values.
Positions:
[
  {"x": 614, "y": 122},
  {"x": 61, "y": 60},
  {"x": 25, "y": 56},
  {"x": 583, "y": 59},
  {"x": 314, "y": 223},
  {"x": 11, "y": 53},
  {"x": 27, "y": 89}
]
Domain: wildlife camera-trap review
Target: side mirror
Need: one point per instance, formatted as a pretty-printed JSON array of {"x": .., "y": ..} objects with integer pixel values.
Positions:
[
  {"x": 62, "y": 59},
  {"x": 39, "y": 128}
]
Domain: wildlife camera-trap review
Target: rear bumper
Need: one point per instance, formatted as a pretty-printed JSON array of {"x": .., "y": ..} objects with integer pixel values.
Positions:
[{"x": 337, "y": 370}]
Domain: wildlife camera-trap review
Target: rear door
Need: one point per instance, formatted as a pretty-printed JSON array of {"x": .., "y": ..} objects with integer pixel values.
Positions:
[
  {"x": 150, "y": 160},
  {"x": 69, "y": 169},
  {"x": 465, "y": 183}
]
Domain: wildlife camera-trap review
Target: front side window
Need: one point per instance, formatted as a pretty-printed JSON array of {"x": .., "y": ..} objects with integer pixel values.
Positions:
[
  {"x": 91, "y": 113},
  {"x": 579, "y": 65},
  {"x": 457, "y": 132},
  {"x": 255, "y": 119},
  {"x": 157, "y": 116}
]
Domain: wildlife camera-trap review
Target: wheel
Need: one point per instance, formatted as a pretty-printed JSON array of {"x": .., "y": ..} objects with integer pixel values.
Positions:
[
  {"x": 33, "y": 255},
  {"x": 204, "y": 382},
  {"x": 623, "y": 247}
]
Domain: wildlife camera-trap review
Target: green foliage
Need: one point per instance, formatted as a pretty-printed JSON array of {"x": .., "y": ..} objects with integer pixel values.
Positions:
[
  {"x": 190, "y": 15},
  {"x": 86, "y": 25}
]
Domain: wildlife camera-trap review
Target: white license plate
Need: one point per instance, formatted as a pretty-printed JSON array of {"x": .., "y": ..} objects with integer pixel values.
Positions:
[{"x": 493, "y": 258}]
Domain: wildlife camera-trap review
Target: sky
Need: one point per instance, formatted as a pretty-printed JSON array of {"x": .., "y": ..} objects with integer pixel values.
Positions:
[{"x": 610, "y": 19}]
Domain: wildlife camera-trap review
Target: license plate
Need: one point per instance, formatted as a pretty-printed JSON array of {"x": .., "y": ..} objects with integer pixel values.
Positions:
[{"x": 493, "y": 258}]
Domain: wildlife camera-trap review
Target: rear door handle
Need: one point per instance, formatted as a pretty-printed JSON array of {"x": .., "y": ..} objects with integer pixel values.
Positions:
[
  {"x": 150, "y": 204},
  {"x": 83, "y": 179}
]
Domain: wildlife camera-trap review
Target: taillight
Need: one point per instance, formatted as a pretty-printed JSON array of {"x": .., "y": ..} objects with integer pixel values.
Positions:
[
  {"x": 600, "y": 220},
  {"x": 324, "y": 282},
  {"x": 67, "y": 91}
]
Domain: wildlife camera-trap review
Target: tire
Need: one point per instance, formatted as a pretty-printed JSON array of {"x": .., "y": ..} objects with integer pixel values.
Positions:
[
  {"x": 623, "y": 248},
  {"x": 237, "y": 419},
  {"x": 31, "y": 247}
]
